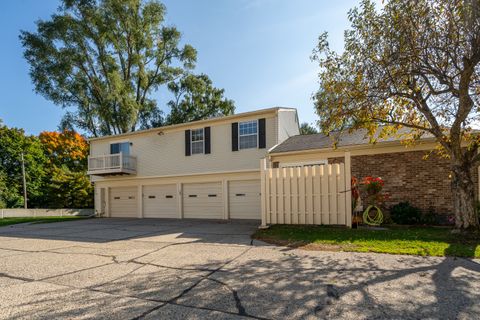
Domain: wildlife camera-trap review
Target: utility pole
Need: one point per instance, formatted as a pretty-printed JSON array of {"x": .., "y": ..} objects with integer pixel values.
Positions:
[{"x": 24, "y": 183}]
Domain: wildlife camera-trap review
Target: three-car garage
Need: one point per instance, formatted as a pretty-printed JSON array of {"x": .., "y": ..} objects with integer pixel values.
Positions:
[{"x": 225, "y": 199}]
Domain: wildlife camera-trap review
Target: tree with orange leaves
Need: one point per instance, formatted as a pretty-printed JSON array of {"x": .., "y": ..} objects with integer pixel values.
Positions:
[
  {"x": 67, "y": 184},
  {"x": 65, "y": 148}
]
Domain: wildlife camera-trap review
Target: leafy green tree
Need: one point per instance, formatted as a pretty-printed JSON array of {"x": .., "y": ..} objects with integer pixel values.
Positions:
[
  {"x": 306, "y": 128},
  {"x": 195, "y": 98},
  {"x": 68, "y": 189},
  {"x": 104, "y": 58},
  {"x": 14, "y": 142},
  {"x": 410, "y": 64}
]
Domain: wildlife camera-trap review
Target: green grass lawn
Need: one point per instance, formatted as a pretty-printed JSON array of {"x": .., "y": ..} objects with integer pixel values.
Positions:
[
  {"x": 423, "y": 241},
  {"x": 10, "y": 221}
]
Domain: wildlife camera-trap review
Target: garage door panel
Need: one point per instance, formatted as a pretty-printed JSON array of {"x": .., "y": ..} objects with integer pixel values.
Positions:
[
  {"x": 160, "y": 201},
  {"x": 244, "y": 199},
  {"x": 123, "y": 202},
  {"x": 203, "y": 200}
]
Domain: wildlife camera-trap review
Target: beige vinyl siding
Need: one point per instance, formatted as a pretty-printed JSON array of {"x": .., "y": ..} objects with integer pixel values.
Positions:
[
  {"x": 123, "y": 202},
  {"x": 164, "y": 154},
  {"x": 160, "y": 201},
  {"x": 203, "y": 200},
  {"x": 244, "y": 199}
]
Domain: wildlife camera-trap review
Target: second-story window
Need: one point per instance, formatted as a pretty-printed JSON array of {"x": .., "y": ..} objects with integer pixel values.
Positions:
[
  {"x": 197, "y": 142},
  {"x": 121, "y": 147},
  {"x": 248, "y": 134}
]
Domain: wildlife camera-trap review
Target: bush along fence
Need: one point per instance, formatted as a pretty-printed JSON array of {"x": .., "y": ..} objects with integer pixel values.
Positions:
[{"x": 17, "y": 213}]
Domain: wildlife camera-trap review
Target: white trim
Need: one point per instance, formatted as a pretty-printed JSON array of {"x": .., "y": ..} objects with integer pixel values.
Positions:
[
  {"x": 303, "y": 163},
  {"x": 191, "y": 141},
  {"x": 176, "y": 175}
]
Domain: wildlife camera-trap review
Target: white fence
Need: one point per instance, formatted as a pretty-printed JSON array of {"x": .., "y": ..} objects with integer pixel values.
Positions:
[
  {"x": 17, "y": 213},
  {"x": 307, "y": 195}
]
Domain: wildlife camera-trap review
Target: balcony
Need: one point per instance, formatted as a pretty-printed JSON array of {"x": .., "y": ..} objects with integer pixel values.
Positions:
[{"x": 112, "y": 164}]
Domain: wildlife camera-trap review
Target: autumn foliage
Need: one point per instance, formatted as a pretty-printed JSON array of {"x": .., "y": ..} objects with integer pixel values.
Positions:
[{"x": 65, "y": 148}]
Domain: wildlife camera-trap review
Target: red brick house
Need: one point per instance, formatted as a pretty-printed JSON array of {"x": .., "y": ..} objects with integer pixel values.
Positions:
[{"x": 411, "y": 173}]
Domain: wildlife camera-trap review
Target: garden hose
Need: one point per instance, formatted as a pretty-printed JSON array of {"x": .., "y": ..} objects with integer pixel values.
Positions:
[{"x": 375, "y": 220}]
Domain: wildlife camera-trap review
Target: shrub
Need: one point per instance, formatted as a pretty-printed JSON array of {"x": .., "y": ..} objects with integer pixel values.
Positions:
[
  {"x": 431, "y": 218},
  {"x": 405, "y": 213}
]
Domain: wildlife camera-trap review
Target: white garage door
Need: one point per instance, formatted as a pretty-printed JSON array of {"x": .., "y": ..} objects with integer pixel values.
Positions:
[
  {"x": 123, "y": 202},
  {"x": 203, "y": 200},
  {"x": 244, "y": 199},
  {"x": 160, "y": 201}
]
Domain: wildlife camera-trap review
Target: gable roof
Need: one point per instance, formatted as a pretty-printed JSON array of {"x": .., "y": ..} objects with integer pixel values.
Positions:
[
  {"x": 342, "y": 139},
  {"x": 194, "y": 123}
]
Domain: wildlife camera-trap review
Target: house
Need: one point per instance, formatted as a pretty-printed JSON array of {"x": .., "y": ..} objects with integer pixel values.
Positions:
[
  {"x": 203, "y": 169},
  {"x": 255, "y": 165},
  {"x": 411, "y": 173}
]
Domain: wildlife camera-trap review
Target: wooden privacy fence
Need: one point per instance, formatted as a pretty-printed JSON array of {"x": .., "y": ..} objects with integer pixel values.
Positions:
[{"x": 307, "y": 195}]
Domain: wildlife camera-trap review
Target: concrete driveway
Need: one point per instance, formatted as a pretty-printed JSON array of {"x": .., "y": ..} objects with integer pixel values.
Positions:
[{"x": 179, "y": 269}]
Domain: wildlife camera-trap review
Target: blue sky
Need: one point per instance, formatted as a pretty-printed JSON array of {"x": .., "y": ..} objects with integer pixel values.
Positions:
[{"x": 257, "y": 50}]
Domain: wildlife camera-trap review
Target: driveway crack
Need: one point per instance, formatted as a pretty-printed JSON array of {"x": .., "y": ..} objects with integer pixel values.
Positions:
[{"x": 187, "y": 290}]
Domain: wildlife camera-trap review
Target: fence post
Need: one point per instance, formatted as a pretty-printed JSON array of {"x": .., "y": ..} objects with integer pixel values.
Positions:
[
  {"x": 348, "y": 189},
  {"x": 263, "y": 193}
]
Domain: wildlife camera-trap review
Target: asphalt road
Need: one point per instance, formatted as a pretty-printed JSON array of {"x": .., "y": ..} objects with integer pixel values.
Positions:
[{"x": 184, "y": 269}]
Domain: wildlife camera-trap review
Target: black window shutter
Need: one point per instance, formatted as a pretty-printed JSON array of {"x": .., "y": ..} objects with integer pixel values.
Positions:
[
  {"x": 235, "y": 136},
  {"x": 206, "y": 132},
  {"x": 262, "y": 139},
  {"x": 187, "y": 143}
]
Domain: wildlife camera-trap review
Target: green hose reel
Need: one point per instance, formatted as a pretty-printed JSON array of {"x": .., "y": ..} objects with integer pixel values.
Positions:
[{"x": 375, "y": 220}]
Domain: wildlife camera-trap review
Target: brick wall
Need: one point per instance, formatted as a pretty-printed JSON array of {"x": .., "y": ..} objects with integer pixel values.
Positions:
[{"x": 409, "y": 177}]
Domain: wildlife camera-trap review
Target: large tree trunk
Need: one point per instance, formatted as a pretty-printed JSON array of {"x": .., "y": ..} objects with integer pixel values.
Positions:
[{"x": 463, "y": 190}]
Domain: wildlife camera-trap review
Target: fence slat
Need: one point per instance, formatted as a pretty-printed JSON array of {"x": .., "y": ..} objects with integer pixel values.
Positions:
[
  {"x": 268, "y": 194},
  {"x": 274, "y": 196},
  {"x": 288, "y": 194},
  {"x": 317, "y": 205},
  {"x": 341, "y": 195},
  {"x": 301, "y": 196},
  {"x": 324, "y": 196},
  {"x": 281, "y": 197},
  {"x": 309, "y": 171},
  {"x": 295, "y": 206}
]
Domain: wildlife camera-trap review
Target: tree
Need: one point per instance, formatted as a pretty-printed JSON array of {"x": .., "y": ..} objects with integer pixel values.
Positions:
[
  {"x": 14, "y": 142},
  {"x": 65, "y": 148},
  {"x": 306, "y": 128},
  {"x": 411, "y": 64},
  {"x": 195, "y": 98},
  {"x": 105, "y": 58},
  {"x": 68, "y": 189},
  {"x": 66, "y": 184}
]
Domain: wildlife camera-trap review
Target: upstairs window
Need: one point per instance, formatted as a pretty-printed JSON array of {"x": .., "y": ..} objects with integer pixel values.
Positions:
[
  {"x": 248, "y": 134},
  {"x": 197, "y": 141},
  {"x": 121, "y": 147}
]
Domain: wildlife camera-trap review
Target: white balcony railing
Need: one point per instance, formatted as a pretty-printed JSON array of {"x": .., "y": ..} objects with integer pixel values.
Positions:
[{"x": 117, "y": 163}]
